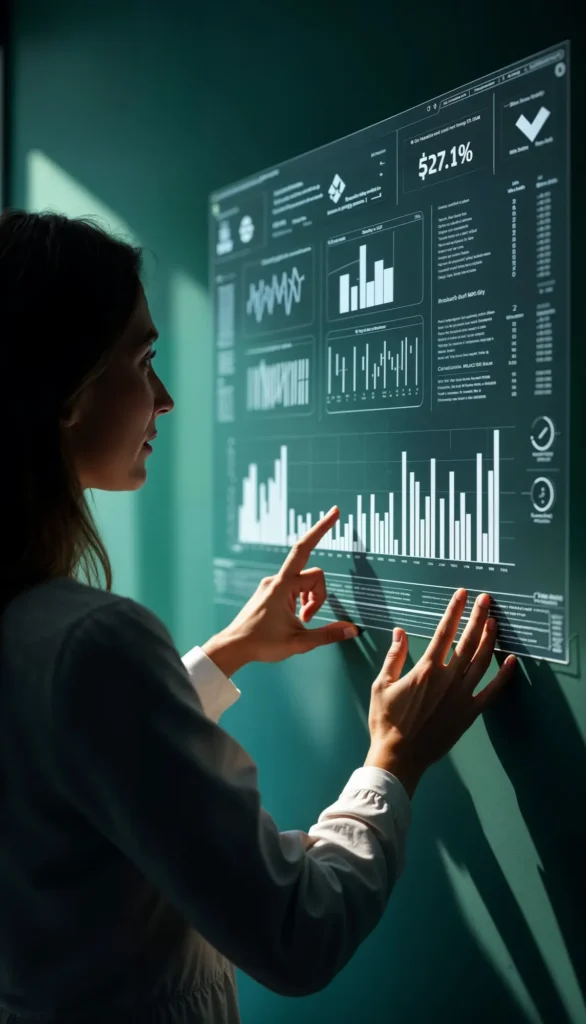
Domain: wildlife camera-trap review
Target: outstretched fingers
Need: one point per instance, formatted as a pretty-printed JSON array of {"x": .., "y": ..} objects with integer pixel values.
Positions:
[
  {"x": 475, "y": 669},
  {"x": 473, "y": 636},
  {"x": 492, "y": 689},
  {"x": 447, "y": 628},
  {"x": 396, "y": 656}
]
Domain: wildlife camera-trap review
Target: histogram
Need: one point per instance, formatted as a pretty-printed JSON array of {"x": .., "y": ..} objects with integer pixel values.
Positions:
[{"x": 415, "y": 521}]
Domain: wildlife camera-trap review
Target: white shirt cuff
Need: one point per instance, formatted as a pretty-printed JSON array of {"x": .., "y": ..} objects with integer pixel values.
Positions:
[
  {"x": 384, "y": 783},
  {"x": 377, "y": 798},
  {"x": 215, "y": 691}
]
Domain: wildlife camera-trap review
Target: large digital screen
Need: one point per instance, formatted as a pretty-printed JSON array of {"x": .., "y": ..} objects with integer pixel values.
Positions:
[{"x": 391, "y": 331}]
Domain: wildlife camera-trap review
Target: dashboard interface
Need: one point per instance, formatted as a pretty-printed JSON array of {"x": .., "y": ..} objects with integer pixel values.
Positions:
[{"x": 391, "y": 332}]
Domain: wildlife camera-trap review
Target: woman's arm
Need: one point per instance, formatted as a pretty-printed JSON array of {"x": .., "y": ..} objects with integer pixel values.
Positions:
[{"x": 136, "y": 755}]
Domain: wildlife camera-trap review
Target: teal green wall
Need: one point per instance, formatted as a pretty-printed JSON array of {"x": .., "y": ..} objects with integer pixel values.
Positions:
[{"x": 134, "y": 111}]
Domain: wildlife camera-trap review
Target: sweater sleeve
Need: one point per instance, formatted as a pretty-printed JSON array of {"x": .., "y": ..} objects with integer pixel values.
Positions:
[{"x": 136, "y": 754}]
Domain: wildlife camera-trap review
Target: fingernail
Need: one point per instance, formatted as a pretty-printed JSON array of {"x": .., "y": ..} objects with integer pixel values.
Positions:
[
  {"x": 397, "y": 635},
  {"x": 491, "y": 624},
  {"x": 334, "y": 508},
  {"x": 511, "y": 660},
  {"x": 483, "y": 601},
  {"x": 350, "y": 631},
  {"x": 461, "y": 594}
]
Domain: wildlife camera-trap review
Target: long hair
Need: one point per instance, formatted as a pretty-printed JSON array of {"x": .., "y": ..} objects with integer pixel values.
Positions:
[{"x": 67, "y": 293}]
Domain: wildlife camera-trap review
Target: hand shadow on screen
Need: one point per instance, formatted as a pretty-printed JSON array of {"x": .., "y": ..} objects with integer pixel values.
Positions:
[
  {"x": 539, "y": 745},
  {"x": 457, "y": 969}
]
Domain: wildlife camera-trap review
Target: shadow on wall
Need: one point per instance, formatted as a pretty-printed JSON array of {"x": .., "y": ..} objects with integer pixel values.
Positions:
[
  {"x": 544, "y": 758},
  {"x": 537, "y": 741}
]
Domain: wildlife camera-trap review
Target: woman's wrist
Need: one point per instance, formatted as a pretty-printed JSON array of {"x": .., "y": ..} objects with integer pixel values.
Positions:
[
  {"x": 228, "y": 651},
  {"x": 408, "y": 774}
]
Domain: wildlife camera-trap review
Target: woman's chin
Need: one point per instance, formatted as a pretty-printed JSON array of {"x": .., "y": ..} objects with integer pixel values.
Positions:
[{"x": 138, "y": 475}]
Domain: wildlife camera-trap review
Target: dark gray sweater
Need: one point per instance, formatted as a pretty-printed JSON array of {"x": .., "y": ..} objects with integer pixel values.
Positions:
[{"x": 136, "y": 863}]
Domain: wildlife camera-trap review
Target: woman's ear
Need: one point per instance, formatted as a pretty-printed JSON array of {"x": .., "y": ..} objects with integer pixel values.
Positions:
[
  {"x": 70, "y": 417},
  {"x": 74, "y": 409}
]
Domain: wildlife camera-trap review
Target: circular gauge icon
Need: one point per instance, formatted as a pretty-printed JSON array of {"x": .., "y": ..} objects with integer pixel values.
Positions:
[
  {"x": 542, "y": 433},
  {"x": 560, "y": 69},
  {"x": 542, "y": 494},
  {"x": 246, "y": 229}
]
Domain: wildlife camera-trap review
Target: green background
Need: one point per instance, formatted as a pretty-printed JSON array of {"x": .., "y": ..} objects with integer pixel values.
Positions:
[{"x": 134, "y": 111}]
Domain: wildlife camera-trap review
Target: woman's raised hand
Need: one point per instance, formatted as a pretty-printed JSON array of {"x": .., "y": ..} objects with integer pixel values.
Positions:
[{"x": 268, "y": 627}]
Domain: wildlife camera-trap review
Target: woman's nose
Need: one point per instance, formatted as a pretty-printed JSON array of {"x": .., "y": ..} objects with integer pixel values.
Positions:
[{"x": 163, "y": 400}]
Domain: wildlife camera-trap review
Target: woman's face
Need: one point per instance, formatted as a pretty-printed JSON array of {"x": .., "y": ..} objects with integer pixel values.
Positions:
[{"x": 116, "y": 414}]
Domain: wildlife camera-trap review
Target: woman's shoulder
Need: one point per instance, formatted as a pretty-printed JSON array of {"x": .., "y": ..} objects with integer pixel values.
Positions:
[
  {"x": 63, "y": 610},
  {"x": 79, "y": 655}
]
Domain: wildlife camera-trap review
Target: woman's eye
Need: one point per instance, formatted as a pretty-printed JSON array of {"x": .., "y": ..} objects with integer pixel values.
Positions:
[{"x": 149, "y": 357}]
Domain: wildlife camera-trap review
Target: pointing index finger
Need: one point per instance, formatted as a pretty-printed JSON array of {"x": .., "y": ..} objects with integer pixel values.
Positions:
[{"x": 297, "y": 558}]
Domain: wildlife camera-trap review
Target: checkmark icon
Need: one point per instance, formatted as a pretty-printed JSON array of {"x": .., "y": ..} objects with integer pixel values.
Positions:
[{"x": 531, "y": 129}]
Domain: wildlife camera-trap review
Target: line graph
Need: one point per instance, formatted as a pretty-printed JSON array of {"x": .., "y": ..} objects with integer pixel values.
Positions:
[{"x": 278, "y": 292}]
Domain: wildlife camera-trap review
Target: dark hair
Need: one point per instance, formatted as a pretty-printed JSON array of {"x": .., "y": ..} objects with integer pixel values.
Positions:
[{"x": 67, "y": 292}]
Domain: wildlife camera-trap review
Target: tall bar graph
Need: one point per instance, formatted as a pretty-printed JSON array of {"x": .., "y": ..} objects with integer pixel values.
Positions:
[{"x": 426, "y": 519}]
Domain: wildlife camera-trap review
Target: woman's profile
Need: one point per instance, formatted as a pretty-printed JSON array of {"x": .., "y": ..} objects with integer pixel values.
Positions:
[{"x": 137, "y": 865}]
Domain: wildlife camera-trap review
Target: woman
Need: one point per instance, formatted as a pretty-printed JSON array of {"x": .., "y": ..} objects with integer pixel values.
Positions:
[{"x": 136, "y": 863}]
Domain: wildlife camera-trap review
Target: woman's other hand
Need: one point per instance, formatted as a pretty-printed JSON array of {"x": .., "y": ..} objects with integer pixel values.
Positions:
[
  {"x": 416, "y": 719},
  {"x": 268, "y": 627}
]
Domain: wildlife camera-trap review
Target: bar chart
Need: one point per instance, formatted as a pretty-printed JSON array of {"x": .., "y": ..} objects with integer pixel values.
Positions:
[
  {"x": 377, "y": 291},
  {"x": 376, "y": 370},
  {"x": 375, "y": 268},
  {"x": 427, "y": 516},
  {"x": 273, "y": 385},
  {"x": 278, "y": 379}
]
